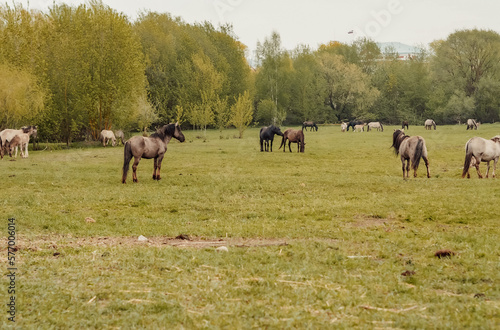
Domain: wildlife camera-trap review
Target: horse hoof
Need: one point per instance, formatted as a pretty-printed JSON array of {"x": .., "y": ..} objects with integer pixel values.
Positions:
[{"x": 135, "y": 180}]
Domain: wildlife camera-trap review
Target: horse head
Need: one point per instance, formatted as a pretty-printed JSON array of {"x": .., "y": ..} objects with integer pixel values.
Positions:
[
  {"x": 178, "y": 133},
  {"x": 276, "y": 130},
  {"x": 496, "y": 139}
]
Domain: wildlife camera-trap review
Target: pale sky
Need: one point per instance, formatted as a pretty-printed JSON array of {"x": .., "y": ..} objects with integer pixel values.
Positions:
[{"x": 314, "y": 22}]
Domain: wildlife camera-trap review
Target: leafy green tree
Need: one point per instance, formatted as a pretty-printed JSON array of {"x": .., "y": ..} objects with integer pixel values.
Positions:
[
  {"x": 21, "y": 98},
  {"x": 242, "y": 113},
  {"x": 348, "y": 90},
  {"x": 274, "y": 75}
]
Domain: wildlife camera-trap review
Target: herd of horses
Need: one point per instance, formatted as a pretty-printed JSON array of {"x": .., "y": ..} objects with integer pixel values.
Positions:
[{"x": 411, "y": 149}]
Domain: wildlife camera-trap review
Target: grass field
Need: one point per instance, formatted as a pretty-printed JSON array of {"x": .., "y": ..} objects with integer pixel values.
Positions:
[{"x": 332, "y": 238}]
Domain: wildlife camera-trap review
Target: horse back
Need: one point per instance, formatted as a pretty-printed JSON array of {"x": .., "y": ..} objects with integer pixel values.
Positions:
[{"x": 146, "y": 147}]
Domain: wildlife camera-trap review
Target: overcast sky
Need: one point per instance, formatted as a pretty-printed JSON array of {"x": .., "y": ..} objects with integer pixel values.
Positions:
[{"x": 313, "y": 22}]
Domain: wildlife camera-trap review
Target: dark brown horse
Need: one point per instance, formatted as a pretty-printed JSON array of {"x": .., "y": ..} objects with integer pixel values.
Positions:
[
  {"x": 153, "y": 146},
  {"x": 310, "y": 124},
  {"x": 295, "y": 136},
  {"x": 410, "y": 148},
  {"x": 405, "y": 124}
]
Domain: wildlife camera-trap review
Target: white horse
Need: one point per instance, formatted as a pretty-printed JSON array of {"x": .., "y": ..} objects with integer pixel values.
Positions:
[
  {"x": 8, "y": 134},
  {"x": 429, "y": 123},
  {"x": 359, "y": 128},
  {"x": 343, "y": 127},
  {"x": 20, "y": 140},
  {"x": 481, "y": 150},
  {"x": 471, "y": 124},
  {"x": 375, "y": 124},
  {"x": 106, "y": 136}
]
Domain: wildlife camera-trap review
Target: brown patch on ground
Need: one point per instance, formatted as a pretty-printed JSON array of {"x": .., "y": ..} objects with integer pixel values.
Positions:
[
  {"x": 364, "y": 221},
  {"x": 57, "y": 242}
]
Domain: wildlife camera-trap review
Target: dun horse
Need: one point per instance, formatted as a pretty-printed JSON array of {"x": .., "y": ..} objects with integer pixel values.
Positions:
[
  {"x": 296, "y": 136},
  {"x": 20, "y": 140},
  {"x": 410, "y": 148},
  {"x": 8, "y": 134},
  {"x": 153, "y": 146},
  {"x": 119, "y": 135},
  {"x": 310, "y": 124},
  {"x": 267, "y": 137},
  {"x": 429, "y": 123},
  {"x": 481, "y": 150}
]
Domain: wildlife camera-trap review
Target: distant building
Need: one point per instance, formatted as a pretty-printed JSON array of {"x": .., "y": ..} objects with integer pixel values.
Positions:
[{"x": 405, "y": 52}]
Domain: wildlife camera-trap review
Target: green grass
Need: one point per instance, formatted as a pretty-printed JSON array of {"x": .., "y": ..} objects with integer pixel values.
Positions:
[{"x": 351, "y": 223}]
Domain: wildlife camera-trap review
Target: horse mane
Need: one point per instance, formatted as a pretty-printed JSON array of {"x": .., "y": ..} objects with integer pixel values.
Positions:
[
  {"x": 397, "y": 138},
  {"x": 166, "y": 130}
]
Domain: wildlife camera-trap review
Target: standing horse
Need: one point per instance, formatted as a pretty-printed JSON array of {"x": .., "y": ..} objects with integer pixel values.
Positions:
[
  {"x": 410, "y": 148},
  {"x": 471, "y": 124},
  {"x": 429, "y": 123},
  {"x": 20, "y": 140},
  {"x": 119, "y": 135},
  {"x": 267, "y": 135},
  {"x": 105, "y": 136},
  {"x": 310, "y": 124},
  {"x": 153, "y": 146},
  {"x": 359, "y": 128},
  {"x": 353, "y": 124},
  {"x": 8, "y": 134},
  {"x": 481, "y": 150},
  {"x": 295, "y": 136},
  {"x": 404, "y": 124},
  {"x": 375, "y": 124}
]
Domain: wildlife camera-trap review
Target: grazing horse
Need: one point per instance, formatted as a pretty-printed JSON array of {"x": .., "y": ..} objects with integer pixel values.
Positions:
[
  {"x": 410, "y": 148},
  {"x": 153, "y": 146},
  {"x": 267, "y": 135},
  {"x": 105, "y": 136},
  {"x": 295, "y": 136},
  {"x": 481, "y": 150},
  {"x": 343, "y": 127},
  {"x": 353, "y": 124},
  {"x": 20, "y": 140},
  {"x": 8, "y": 134},
  {"x": 404, "y": 124},
  {"x": 310, "y": 124},
  {"x": 375, "y": 124},
  {"x": 119, "y": 135},
  {"x": 471, "y": 124},
  {"x": 359, "y": 128},
  {"x": 429, "y": 123}
]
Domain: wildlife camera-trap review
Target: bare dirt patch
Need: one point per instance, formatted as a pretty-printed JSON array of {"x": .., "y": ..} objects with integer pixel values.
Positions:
[{"x": 58, "y": 242}]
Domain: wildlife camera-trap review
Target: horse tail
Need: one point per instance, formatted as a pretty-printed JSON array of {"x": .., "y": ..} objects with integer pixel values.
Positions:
[
  {"x": 468, "y": 159},
  {"x": 127, "y": 156},
  {"x": 302, "y": 144},
  {"x": 282, "y": 142},
  {"x": 381, "y": 127},
  {"x": 419, "y": 151}
]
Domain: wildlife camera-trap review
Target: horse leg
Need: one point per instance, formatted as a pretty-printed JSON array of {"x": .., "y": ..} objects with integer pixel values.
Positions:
[
  {"x": 477, "y": 169},
  {"x": 426, "y": 161},
  {"x": 271, "y": 145},
  {"x": 403, "y": 166},
  {"x": 155, "y": 166},
  {"x": 160, "y": 158},
  {"x": 134, "y": 168},
  {"x": 494, "y": 166},
  {"x": 289, "y": 145},
  {"x": 487, "y": 170}
]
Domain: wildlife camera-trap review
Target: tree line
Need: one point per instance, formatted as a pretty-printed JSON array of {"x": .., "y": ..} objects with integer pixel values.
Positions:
[{"x": 75, "y": 70}]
